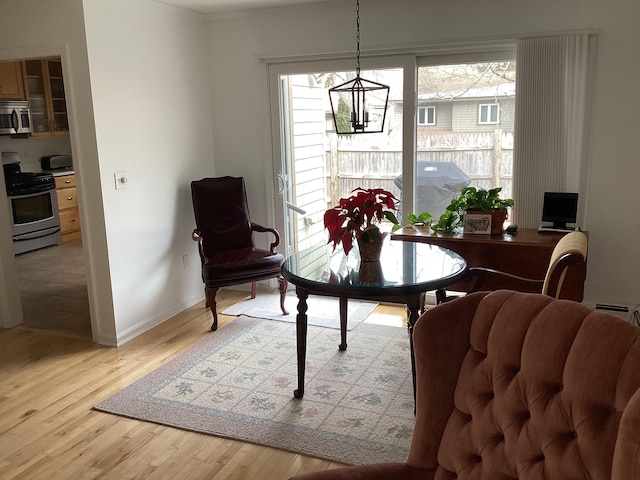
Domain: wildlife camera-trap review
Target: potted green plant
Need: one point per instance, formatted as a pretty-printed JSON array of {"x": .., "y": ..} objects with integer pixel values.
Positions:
[
  {"x": 422, "y": 220},
  {"x": 359, "y": 217},
  {"x": 475, "y": 200},
  {"x": 447, "y": 222}
]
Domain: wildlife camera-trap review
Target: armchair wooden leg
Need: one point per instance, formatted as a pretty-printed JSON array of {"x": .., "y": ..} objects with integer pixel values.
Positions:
[
  {"x": 210, "y": 294},
  {"x": 253, "y": 289},
  {"x": 284, "y": 285}
]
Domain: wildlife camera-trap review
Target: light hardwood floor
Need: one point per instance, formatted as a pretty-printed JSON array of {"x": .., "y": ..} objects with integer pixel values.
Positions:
[{"x": 49, "y": 383}]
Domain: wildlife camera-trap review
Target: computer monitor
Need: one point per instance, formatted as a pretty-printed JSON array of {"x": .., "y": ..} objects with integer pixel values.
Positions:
[{"x": 560, "y": 208}]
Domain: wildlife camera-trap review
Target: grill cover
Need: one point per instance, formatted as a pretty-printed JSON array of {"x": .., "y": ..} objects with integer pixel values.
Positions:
[{"x": 437, "y": 184}]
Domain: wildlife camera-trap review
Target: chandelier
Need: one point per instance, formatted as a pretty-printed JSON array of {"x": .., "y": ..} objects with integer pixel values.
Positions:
[{"x": 356, "y": 105}]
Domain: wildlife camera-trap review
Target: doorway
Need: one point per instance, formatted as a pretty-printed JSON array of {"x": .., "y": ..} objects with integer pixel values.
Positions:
[{"x": 52, "y": 281}]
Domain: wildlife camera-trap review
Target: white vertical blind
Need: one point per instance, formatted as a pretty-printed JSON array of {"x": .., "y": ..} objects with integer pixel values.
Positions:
[{"x": 552, "y": 122}]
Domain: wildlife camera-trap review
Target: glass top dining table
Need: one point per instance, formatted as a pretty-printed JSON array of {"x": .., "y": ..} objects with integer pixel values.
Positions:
[{"x": 405, "y": 272}]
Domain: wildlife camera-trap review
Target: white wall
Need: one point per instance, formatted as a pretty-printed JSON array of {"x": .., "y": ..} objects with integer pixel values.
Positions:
[
  {"x": 149, "y": 80},
  {"x": 240, "y": 96},
  {"x": 142, "y": 70}
]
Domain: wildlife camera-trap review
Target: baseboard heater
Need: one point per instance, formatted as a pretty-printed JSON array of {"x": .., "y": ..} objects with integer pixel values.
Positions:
[{"x": 612, "y": 308}]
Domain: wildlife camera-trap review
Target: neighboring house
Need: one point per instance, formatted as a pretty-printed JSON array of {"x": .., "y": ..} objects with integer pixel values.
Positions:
[{"x": 482, "y": 109}]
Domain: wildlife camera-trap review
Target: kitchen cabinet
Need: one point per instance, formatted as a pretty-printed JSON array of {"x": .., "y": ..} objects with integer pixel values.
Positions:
[
  {"x": 68, "y": 206},
  {"x": 45, "y": 92},
  {"x": 11, "y": 81}
]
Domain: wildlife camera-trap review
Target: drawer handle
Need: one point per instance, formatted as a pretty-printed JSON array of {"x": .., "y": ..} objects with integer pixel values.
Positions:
[
  {"x": 67, "y": 181},
  {"x": 69, "y": 198}
]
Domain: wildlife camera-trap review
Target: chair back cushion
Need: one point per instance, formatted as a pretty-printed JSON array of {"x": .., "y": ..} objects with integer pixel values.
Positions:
[
  {"x": 570, "y": 250},
  {"x": 222, "y": 214},
  {"x": 540, "y": 391}
]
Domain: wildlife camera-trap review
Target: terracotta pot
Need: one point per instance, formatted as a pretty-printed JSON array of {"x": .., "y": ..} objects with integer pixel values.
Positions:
[{"x": 497, "y": 221}]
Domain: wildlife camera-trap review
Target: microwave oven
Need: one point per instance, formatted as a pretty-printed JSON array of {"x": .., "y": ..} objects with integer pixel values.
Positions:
[{"x": 15, "y": 117}]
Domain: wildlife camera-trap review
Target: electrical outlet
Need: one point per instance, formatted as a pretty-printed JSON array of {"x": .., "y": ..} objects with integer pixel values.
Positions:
[
  {"x": 185, "y": 261},
  {"x": 121, "y": 180}
]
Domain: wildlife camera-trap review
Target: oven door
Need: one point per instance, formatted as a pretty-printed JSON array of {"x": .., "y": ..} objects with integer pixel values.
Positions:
[{"x": 34, "y": 214}]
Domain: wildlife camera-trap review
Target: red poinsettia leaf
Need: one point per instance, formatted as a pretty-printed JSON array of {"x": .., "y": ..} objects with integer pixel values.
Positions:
[
  {"x": 347, "y": 243},
  {"x": 358, "y": 213},
  {"x": 333, "y": 219}
]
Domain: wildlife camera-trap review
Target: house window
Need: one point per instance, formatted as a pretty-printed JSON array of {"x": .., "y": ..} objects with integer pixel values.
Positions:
[
  {"x": 426, "y": 115},
  {"x": 489, "y": 113}
]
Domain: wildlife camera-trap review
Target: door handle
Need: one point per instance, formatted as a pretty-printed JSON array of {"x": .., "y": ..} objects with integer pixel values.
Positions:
[
  {"x": 291, "y": 206},
  {"x": 14, "y": 120}
]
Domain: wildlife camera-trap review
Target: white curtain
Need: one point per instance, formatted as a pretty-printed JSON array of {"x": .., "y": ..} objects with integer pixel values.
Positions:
[{"x": 553, "y": 113}]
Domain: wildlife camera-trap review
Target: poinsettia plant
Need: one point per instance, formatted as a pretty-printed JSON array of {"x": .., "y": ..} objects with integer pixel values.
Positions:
[{"x": 360, "y": 216}]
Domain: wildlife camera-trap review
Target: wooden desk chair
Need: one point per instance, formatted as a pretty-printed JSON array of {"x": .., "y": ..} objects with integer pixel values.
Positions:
[
  {"x": 569, "y": 251},
  {"x": 224, "y": 233}
]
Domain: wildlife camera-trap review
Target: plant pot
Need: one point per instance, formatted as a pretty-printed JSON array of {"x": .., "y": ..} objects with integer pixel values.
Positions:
[
  {"x": 370, "y": 273},
  {"x": 370, "y": 250},
  {"x": 498, "y": 218},
  {"x": 497, "y": 221}
]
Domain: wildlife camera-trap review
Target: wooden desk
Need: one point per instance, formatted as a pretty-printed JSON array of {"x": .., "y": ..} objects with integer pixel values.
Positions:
[{"x": 525, "y": 254}]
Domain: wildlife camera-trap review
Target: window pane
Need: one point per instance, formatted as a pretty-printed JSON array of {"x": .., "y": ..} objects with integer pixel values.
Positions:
[
  {"x": 421, "y": 115},
  {"x": 470, "y": 141},
  {"x": 431, "y": 115},
  {"x": 483, "y": 113},
  {"x": 494, "y": 113},
  {"x": 320, "y": 167}
]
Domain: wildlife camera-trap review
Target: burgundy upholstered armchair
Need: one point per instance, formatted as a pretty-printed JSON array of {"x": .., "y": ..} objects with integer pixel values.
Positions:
[
  {"x": 224, "y": 233},
  {"x": 515, "y": 385}
]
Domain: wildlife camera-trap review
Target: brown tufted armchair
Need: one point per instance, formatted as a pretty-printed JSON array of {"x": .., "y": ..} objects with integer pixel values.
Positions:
[
  {"x": 224, "y": 232},
  {"x": 520, "y": 386}
]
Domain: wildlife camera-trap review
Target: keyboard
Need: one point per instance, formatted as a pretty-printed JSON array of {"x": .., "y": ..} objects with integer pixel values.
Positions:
[{"x": 556, "y": 230}]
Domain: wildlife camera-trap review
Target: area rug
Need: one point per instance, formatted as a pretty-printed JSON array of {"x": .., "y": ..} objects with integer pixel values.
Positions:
[
  {"x": 322, "y": 311},
  {"x": 239, "y": 382}
]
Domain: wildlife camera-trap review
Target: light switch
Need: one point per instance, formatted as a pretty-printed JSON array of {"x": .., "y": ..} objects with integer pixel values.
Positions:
[{"x": 121, "y": 180}]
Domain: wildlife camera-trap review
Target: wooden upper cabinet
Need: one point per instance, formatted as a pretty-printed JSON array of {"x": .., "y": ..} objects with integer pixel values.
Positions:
[
  {"x": 45, "y": 92},
  {"x": 11, "y": 81}
]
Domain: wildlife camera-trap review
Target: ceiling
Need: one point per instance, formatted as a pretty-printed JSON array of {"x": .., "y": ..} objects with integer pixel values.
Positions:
[{"x": 224, "y": 6}]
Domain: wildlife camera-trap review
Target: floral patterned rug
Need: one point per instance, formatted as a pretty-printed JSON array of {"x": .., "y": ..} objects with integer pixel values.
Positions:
[
  {"x": 322, "y": 311},
  {"x": 239, "y": 382}
]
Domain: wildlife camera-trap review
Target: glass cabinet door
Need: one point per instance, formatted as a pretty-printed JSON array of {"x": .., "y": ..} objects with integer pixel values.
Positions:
[
  {"x": 58, "y": 102},
  {"x": 46, "y": 97},
  {"x": 37, "y": 100}
]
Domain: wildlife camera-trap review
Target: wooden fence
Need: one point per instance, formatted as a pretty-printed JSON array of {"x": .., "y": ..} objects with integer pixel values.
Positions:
[{"x": 486, "y": 157}]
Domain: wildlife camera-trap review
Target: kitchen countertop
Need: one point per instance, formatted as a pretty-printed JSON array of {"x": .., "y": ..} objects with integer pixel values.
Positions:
[{"x": 58, "y": 172}]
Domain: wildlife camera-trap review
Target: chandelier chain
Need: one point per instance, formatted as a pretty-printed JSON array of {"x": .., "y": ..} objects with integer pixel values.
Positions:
[{"x": 358, "y": 38}]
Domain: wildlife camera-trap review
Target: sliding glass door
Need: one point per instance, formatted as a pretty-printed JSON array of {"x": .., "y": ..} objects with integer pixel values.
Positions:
[
  {"x": 319, "y": 166},
  {"x": 449, "y": 124}
]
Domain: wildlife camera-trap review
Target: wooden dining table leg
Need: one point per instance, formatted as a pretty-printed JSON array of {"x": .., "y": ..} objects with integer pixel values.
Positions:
[
  {"x": 301, "y": 339},
  {"x": 343, "y": 324},
  {"x": 413, "y": 310}
]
